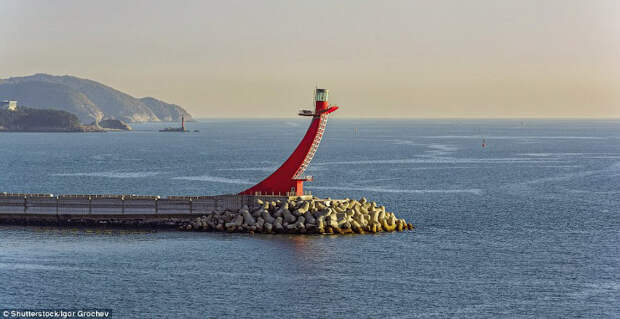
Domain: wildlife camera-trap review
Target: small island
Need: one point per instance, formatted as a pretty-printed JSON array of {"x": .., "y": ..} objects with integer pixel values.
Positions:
[
  {"x": 25, "y": 119},
  {"x": 112, "y": 125}
]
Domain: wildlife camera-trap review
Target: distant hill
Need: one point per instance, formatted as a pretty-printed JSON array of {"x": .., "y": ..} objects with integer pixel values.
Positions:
[
  {"x": 89, "y": 100},
  {"x": 164, "y": 111}
]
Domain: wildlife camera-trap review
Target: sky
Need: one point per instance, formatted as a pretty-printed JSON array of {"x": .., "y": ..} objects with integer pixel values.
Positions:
[{"x": 419, "y": 59}]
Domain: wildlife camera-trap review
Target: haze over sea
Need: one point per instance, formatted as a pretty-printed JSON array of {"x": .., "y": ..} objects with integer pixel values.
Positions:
[{"x": 526, "y": 227}]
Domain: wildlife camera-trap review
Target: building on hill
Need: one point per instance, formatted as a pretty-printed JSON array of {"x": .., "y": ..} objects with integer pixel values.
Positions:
[{"x": 9, "y": 105}]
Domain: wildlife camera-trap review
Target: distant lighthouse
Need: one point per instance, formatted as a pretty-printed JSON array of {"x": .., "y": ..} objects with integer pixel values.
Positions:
[{"x": 177, "y": 129}]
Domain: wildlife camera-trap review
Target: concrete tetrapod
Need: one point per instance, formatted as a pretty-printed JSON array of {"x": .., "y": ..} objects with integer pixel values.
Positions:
[{"x": 303, "y": 216}]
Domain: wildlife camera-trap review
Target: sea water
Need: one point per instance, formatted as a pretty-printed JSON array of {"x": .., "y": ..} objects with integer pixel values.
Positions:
[{"x": 527, "y": 226}]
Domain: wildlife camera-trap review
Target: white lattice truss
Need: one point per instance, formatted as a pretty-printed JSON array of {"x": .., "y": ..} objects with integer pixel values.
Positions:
[{"x": 313, "y": 148}]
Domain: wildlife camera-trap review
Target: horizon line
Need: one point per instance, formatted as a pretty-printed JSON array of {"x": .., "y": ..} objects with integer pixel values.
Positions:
[{"x": 421, "y": 118}]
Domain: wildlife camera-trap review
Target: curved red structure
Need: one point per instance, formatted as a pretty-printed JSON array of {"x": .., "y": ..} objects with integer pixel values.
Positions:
[{"x": 288, "y": 179}]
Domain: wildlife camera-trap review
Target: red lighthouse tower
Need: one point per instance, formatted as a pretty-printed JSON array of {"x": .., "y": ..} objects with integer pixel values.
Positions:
[{"x": 289, "y": 178}]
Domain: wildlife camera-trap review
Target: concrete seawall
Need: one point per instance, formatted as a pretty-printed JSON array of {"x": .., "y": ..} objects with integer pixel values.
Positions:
[{"x": 116, "y": 210}]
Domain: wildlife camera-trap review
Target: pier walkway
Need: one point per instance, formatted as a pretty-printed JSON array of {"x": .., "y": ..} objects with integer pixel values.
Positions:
[{"x": 49, "y": 209}]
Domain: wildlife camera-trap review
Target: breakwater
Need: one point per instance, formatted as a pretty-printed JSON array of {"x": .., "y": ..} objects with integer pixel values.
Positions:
[{"x": 230, "y": 213}]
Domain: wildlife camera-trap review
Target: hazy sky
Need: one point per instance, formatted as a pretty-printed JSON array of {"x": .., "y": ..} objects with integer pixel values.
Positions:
[{"x": 484, "y": 58}]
